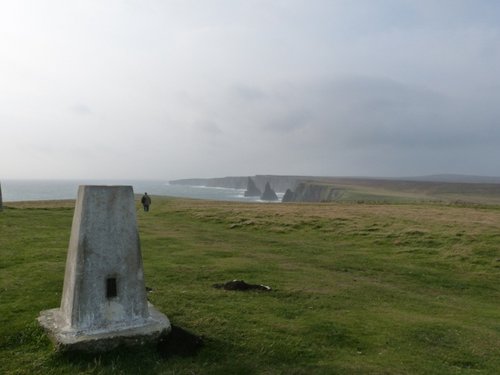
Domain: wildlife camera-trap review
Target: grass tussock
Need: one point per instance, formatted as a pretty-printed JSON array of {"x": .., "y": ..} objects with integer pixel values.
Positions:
[{"x": 356, "y": 288}]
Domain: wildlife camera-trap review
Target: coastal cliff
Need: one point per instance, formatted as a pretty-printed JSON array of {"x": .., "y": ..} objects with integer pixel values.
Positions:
[
  {"x": 298, "y": 188},
  {"x": 327, "y": 189},
  {"x": 278, "y": 183},
  {"x": 310, "y": 191},
  {"x": 224, "y": 182}
]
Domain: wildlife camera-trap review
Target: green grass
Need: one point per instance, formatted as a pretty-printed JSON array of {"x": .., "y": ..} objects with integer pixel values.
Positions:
[
  {"x": 357, "y": 288},
  {"x": 400, "y": 191}
]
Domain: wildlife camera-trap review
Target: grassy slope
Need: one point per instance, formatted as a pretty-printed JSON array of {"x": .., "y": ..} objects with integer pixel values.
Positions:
[
  {"x": 379, "y": 190},
  {"x": 368, "y": 289}
]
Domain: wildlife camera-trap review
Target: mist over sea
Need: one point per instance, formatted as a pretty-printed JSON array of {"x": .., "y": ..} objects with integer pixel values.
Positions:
[{"x": 26, "y": 190}]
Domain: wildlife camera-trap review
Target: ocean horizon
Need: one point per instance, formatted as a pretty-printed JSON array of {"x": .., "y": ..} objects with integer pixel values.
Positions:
[{"x": 17, "y": 190}]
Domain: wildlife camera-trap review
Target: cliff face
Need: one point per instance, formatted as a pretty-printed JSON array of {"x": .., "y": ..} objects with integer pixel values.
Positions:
[
  {"x": 279, "y": 183},
  {"x": 190, "y": 182},
  {"x": 312, "y": 192},
  {"x": 225, "y": 182},
  {"x": 228, "y": 182}
]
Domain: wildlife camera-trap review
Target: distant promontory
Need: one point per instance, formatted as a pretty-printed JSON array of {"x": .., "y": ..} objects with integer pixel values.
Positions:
[{"x": 439, "y": 188}]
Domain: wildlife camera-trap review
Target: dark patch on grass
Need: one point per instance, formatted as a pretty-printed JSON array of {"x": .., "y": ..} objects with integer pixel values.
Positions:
[
  {"x": 465, "y": 364},
  {"x": 333, "y": 334},
  {"x": 241, "y": 286},
  {"x": 220, "y": 254},
  {"x": 434, "y": 335}
]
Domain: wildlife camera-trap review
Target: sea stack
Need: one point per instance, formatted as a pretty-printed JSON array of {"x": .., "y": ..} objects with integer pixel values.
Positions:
[
  {"x": 252, "y": 189},
  {"x": 269, "y": 194},
  {"x": 289, "y": 196}
]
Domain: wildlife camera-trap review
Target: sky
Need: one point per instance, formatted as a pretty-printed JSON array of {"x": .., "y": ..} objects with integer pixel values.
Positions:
[{"x": 167, "y": 89}]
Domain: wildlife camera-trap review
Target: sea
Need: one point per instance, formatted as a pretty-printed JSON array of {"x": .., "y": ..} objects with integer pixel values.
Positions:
[{"x": 29, "y": 190}]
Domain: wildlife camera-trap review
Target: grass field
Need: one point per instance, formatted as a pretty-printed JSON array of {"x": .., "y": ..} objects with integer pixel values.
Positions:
[
  {"x": 401, "y": 191},
  {"x": 357, "y": 288}
]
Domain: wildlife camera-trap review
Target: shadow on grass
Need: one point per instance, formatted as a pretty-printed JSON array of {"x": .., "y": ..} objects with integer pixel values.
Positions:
[
  {"x": 132, "y": 360},
  {"x": 179, "y": 342},
  {"x": 179, "y": 352}
]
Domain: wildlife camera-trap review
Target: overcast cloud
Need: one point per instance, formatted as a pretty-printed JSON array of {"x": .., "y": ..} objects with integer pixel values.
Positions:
[{"x": 181, "y": 88}]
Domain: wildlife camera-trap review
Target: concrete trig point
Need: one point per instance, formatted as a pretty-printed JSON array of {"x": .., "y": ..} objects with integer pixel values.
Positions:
[{"x": 104, "y": 300}]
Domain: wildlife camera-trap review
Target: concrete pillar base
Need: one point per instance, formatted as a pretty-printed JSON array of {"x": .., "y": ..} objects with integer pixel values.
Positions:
[{"x": 66, "y": 339}]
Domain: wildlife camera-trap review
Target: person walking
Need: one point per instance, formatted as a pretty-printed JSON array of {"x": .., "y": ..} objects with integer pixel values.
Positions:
[{"x": 146, "y": 202}]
